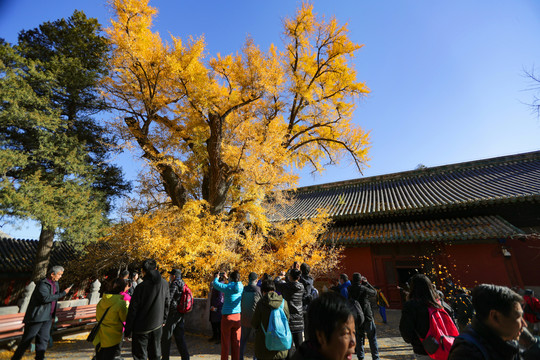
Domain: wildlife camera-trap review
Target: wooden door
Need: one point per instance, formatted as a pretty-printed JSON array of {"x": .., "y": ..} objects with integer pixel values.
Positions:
[{"x": 387, "y": 280}]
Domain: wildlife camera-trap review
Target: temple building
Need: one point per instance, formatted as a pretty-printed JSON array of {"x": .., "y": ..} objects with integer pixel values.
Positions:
[{"x": 464, "y": 224}]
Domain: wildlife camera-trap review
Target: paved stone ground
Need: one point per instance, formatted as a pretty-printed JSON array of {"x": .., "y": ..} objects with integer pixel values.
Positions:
[{"x": 391, "y": 346}]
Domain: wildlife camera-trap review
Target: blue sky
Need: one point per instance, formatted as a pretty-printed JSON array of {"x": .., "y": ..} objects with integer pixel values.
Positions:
[{"x": 447, "y": 78}]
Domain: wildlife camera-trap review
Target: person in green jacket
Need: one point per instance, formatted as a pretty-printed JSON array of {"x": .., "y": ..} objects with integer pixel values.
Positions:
[
  {"x": 269, "y": 301},
  {"x": 108, "y": 340}
]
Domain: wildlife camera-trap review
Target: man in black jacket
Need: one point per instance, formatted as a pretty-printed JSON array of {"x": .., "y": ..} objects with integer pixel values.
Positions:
[
  {"x": 175, "y": 320},
  {"x": 309, "y": 291},
  {"x": 147, "y": 313},
  {"x": 40, "y": 313},
  {"x": 250, "y": 297},
  {"x": 307, "y": 281},
  {"x": 495, "y": 328},
  {"x": 292, "y": 292},
  {"x": 361, "y": 290}
]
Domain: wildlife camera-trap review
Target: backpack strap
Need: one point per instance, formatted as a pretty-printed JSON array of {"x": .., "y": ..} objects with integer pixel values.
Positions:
[
  {"x": 473, "y": 340},
  {"x": 528, "y": 308},
  {"x": 103, "y": 316}
]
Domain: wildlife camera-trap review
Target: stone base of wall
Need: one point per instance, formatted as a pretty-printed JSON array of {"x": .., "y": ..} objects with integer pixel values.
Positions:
[
  {"x": 197, "y": 321},
  {"x": 8, "y": 310},
  {"x": 71, "y": 303}
]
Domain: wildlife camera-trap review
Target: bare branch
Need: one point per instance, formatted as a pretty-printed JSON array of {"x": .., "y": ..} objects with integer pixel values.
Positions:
[
  {"x": 535, "y": 87},
  {"x": 312, "y": 127},
  {"x": 320, "y": 140}
]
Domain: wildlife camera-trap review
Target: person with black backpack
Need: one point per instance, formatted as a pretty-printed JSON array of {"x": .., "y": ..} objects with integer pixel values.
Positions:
[
  {"x": 307, "y": 281},
  {"x": 358, "y": 314},
  {"x": 174, "y": 326}
]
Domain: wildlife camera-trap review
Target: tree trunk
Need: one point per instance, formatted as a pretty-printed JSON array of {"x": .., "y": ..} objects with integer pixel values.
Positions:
[
  {"x": 218, "y": 173},
  {"x": 43, "y": 254},
  {"x": 173, "y": 185}
]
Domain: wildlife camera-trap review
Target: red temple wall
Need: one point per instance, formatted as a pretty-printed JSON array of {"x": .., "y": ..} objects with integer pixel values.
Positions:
[
  {"x": 358, "y": 259},
  {"x": 467, "y": 264},
  {"x": 471, "y": 264},
  {"x": 527, "y": 257}
]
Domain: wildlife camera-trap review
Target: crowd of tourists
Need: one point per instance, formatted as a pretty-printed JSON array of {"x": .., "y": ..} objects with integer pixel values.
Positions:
[
  {"x": 291, "y": 320},
  {"x": 490, "y": 323}
]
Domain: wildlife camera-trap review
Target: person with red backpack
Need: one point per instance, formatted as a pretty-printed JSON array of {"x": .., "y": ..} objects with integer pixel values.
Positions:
[
  {"x": 181, "y": 302},
  {"x": 426, "y": 321},
  {"x": 531, "y": 307}
]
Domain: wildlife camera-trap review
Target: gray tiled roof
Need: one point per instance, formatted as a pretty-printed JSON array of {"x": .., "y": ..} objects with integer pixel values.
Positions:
[
  {"x": 454, "y": 229},
  {"x": 17, "y": 256},
  {"x": 476, "y": 183}
]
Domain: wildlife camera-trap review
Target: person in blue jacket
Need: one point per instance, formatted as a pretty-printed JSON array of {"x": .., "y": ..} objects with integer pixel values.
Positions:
[
  {"x": 230, "y": 314},
  {"x": 344, "y": 285}
]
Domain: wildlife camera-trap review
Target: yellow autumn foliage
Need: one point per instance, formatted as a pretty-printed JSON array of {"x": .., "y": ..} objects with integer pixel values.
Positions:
[
  {"x": 200, "y": 244},
  {"x": 224, "y": 134}
]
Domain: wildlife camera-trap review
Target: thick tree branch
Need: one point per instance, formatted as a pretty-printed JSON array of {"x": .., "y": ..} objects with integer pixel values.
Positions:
[
  {"x": 238, "y": 106},
  {"x": 172, "y": 183}
]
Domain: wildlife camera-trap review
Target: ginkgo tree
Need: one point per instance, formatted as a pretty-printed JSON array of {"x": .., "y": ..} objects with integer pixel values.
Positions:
[{"x": 224, "y": 134}]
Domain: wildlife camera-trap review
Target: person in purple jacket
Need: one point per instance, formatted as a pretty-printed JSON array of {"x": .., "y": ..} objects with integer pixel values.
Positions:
[{"x": 216, "y": 303}]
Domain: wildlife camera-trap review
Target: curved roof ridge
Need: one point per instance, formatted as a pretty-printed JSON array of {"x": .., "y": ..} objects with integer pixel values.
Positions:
[
  {"x": 474, "y": 164},
  {"x": 475, "y": 183}
]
